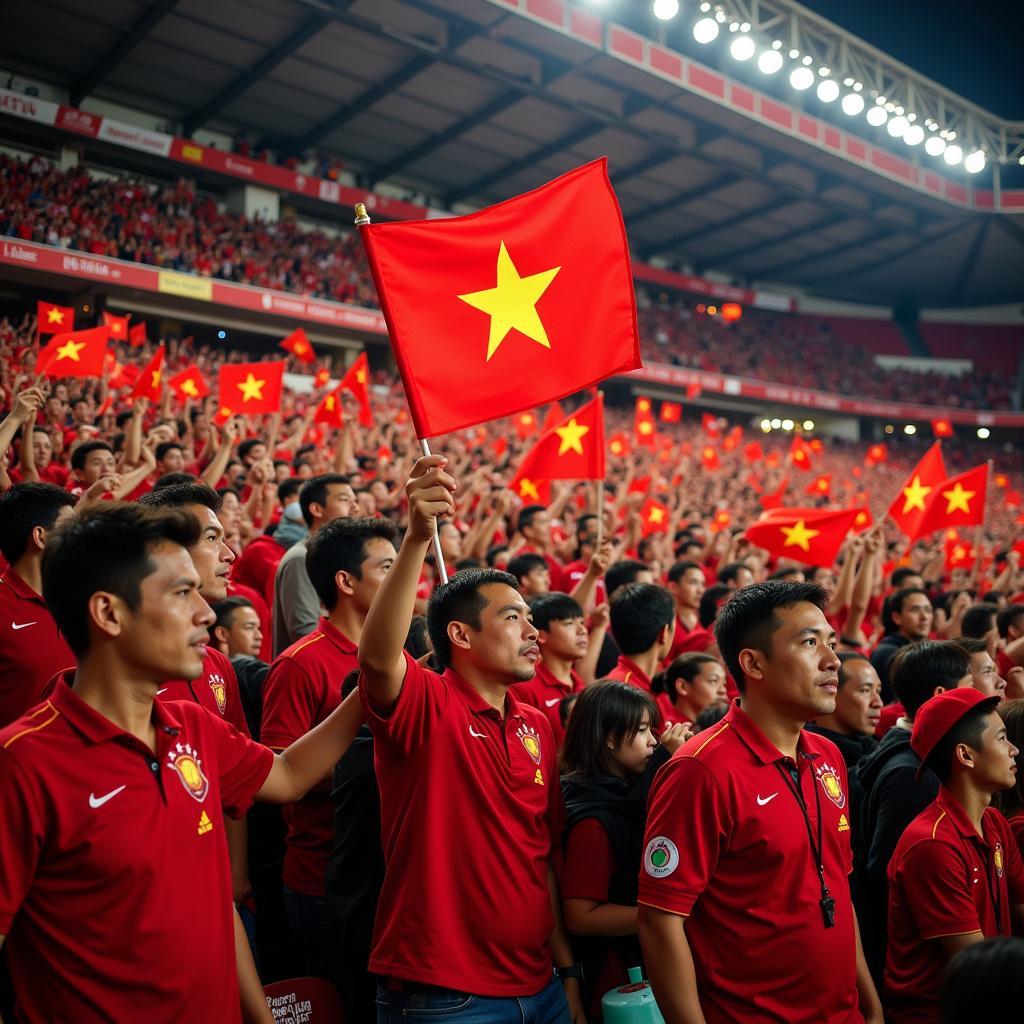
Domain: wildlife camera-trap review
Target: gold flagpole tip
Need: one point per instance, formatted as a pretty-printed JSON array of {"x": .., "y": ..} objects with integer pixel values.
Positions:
[{"x": 361, "y": 215}]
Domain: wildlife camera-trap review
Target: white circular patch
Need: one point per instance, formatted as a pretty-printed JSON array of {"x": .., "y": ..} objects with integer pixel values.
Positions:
[{"x": 661, "y": 857}]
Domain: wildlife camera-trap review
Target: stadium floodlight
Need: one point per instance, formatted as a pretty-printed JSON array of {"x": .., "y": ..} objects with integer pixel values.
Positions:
[
  {"x": 828, "y": 90},
  {"x": 897, "y": 126},
  {"x": 983, "y": 433},
  {"x": 801, "y": 78},
  {"x": 776, "y": 424},
  {"x": 769, "y": 62},
  {"x": 877, "y": 117},
  {"x": 953, "y": 155},
  {"x": 766, "y": 425},
  {"x": 808, "y": 424},
  {"x": 788, "y": 424},
  {"x": 853, "y": 104},
  {"x": 934, "y": 146},
  {"x": 705, "y": 30},
  {"x": 974, "y": 162},
  {"x": 910, "y": 429},
  {"x": 665, "y": 10},
  {"x": 914, "y": 135},
  {"x": 742, "y": 48}
]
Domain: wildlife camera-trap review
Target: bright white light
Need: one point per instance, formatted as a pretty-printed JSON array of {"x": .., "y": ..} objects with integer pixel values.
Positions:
[
  {"x": 801, "y": 78},
  {"x": 734, "y": 26},
  {"x": 983, "y": 432},
  {"x": 776, "y": 424},
  {"x": 828, "y": 90},
  {"x": 824, "y": 72},
  {"x": 891, "y": 107},
  {"x": 666, "y": 10},
  {"x": 910, "y": 429},
  {"x": 974, "y": 162},
  {"x": 914, "y": 135},
  {"x": 793, "y": 54},
  {"x": 808, "y": 60},
  {"x": 808, "y": 424},
  {"x": 857, "y": 86},
  {"x": 745, "y": 27},
  {"x": 911, "y": 118},
  {"x": 776, "y": 44},
  {"x": 853, "y": 104},
  {"x": 899, "y": 110},
  {"x": 934, "y": 146},
  {"x": 766, "y": 425},
  {"x": 847, "y": 81},
  {"x": 742, "y": 48},
  {"x": 788, "y": 424},
  {"x": 706, "y": 30},
  {"x": 720, "y": 17},
  {"x": 953, "y": 155},
  {"x": 897, "y": 126},
  {"x": 769, "y": 62},
  {"x": 877, "y": 117}
]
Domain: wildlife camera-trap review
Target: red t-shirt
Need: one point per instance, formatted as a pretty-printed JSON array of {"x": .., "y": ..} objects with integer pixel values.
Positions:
[
  {"x": 216, "y": 689},
  {"x": 54, "y": 473},
  {"x": 257, "y": 564},
  {"x": 727, "y": 848},
  {"x": 627, "y": 671},
  {"x": 685, "y": 640},
  {"x": 471, "y": 810},
  {"x": 32, "y": 650},
  {"x": 545, "y": 693},
  {"x": 115, "y": 893},
  {"x": 944, "y": 879},
  {"x": 302, "y": 688},
  {"x": 575, "y": 571}
]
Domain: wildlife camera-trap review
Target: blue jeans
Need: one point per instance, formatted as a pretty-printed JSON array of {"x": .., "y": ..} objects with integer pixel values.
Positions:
[
  {"x": 311, "y": 919},
  {"x": 423, "y": 1003}
]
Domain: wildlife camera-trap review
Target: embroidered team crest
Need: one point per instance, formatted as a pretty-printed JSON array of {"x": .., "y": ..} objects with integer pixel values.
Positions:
[
  {"x": 997, "y": 859},
  {"x": 220, "y": 691},
  {"x": 829, "y": 779},
  {"x": 661, "y": 857},
  {"x": 530, "y": 739},
  {"x": 189, "y": 766}
]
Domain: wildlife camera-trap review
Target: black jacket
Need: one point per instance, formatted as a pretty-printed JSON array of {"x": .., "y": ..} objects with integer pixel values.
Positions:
[{"x": 881, "y": 659}]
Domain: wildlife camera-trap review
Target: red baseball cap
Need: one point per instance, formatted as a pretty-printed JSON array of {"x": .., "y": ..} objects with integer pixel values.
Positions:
[{"x": 939, "y": 714}]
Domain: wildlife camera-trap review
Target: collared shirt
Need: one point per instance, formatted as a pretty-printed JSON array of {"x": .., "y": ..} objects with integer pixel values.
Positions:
[
  {"x": 945, "y": 879},
  {"x": 216, "y": 689},
  {"x": 628, "y": 671},
  {"x": 471, "y": 809},
  {"x": 685, "y": 639},
  {"x": 32, "y": 649},
  {"x": 545, "y": 693},
  {"x": 302, "y": 688},
  {"x": 115, "y": 893},
  {"x": 727, "y": 847}
]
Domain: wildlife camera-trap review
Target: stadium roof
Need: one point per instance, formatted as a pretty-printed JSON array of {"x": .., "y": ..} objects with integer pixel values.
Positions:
[{"x": 472, "y": 101}]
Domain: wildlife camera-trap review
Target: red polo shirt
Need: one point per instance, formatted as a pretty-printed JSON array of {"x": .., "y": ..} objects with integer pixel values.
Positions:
[
  {"x": 471, "y": 809},
  {"x": 685, "y": 640},
  {"x": 115, "y": 893},
  {"x": 575, "y": 571},
  {"x": 216, "y": 689},
  {"x": 32, "y": 650},
  {"x": 627, "y": 671},
  {"x": 544, "y": 692},
  {"x": 301, "y": 690},
  {"x": 944, "y": 879},
  {"x": 727, "y": 848}
]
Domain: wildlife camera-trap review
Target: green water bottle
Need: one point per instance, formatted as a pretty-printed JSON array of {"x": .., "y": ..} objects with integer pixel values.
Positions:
[{"x": 631, "y": 1004}]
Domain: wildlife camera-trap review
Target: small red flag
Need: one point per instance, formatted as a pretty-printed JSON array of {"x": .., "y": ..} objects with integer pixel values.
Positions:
[
  {"x": 639, "y": 485},
  {"x": 189, "y": 383},
  {"x": 499, "y": 446},
  {"x": 753, "y": 452},
  {"x": 721, "y": 519},
  {"x": 709, "y": 458},
  {"x": 671, "y": 412},
  {"x": 532, "y": 492},
  {"x": 693, "y": 391},
  {"x": 619, "y": 445},
  {"x": 1001, "y": 480},
  {"x": 54, "y": 319},
  {"x": 357, "y": 382},
  {"x": 958, "y": 501},
  {"x": 753, "y": 481},
  {"x": 249, "y": 388},
  {"x": 820, "y": 487},
  {"x": 515, "y": 305},
  {"x": 137, "y": 334},
  {"x": 74, "y": 354},
  {"x": 298, "y": 344},
  {"x": 572, "y": 450},
  {"x": 1013, "y": 499},
  {"x": 908, "y": 507},
  {"x": 654, "y": 517},
  {"x": 774, "y": 499},
  {"x": 800, "y": 453},
  {"x": 807, "y": 535},
  {"x": 554, "y": 416},
  {"x": 876, "y": 454},
  {"x": 643, "y": 423},
  {"x": 960, "y": 554},
  {"x": 526, "y": 425},
  {"x": 863, "y": 520},
  {"x": 732, "y": 440},
  {"x": 709, "y": 424},
  {"x": 328, "y": 411},
  {"x": 148, "y": 384},
  {"x": 118, "y": 326},
  {"x": 772, "y": 460},
  {"x": 942, "y": 428},
  {"x": 323, "y": 376}
]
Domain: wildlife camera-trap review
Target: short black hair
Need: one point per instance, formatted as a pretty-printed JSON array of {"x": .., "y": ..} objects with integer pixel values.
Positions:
[
  {"x": 708, "y": 611},
  {"x": 676, "y": 573},
  {"x": 978, "y": 619},
  {"x": 686, "y": 667},
  {"x": 748, "y": 619},
  {"x": 969, "y": 730},
  {"x": 523, "y": 565},
  {"x": 845, "y": 657},
  {"x": 893, "y": 605},
  {"x": 553, "y": 607},
  {"x": 166, "y": 446},
  {"x": 918, "y": 668},
  {"x": 1011, "y": 615},
  {"x": 730, "y": 572},
  {"x": 24, "y": 507},
  {"x": 417, "y": 642},
  {"x": 460, "y": 600},
  {"x": 107, "y": 547},
  {"x": 173, "y": 479},
  {"x": 639, "y": 612},
  {"x": 340, "y": 545},
  {"x": 985, "y": 981},
  {"x": 315, "y": 490},
  {"x": 82, "y": 451},
  {"x": 901, "y": 574},
  {"x": 287, "y": 487},
  {"x": 528, "y": 513},
  {"x": 225, "y": 610},
  {"x": 624, "y": 571},
  {"x": 183, "y": 495},
  {"x": 246, "y": 446}
]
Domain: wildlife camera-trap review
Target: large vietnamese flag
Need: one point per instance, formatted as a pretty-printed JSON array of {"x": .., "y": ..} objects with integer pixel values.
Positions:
[
  {"x": 74, "y": 354},
  {"x": 250, "y": 387},
  {"x": 812, "y": 536},
  {"x": 908, "y": 507},
  {"x": 510, "y": 307}
]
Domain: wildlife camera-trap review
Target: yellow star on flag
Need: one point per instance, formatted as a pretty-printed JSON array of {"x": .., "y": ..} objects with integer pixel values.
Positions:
[
  {"x": 645, "y": 427},
  {"x": 70, "y": 350},
  {"x": 571, "y": 436},
  {"x": 251, "y": 388},
  {"x": 512, "y": 303},
  {"x": 656, "y": 515},
  {"x": 55, "y": 316},
  {"x": 798, "y": 536},
  {"x": 958, "y": 499},
  {"x": 189, "y": 387},
  {"x": 914, "y": 495},
  {"x": 361, "y": 374},
  {"x": 156, "y": 379},
  {"x": 528, "y": 489},
  {"x": 329, "y": 403}
]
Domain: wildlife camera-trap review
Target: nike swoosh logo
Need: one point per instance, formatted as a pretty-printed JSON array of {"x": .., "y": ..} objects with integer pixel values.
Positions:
[
  {"x": 761, "y": 801},
  {"x": 551, "y": 703},
  {"x": 161, "y": 690},
  {"x": 99, "y": 801},
  {"x": 22, "y": 625},
  {"x": 479, "y": 735}
]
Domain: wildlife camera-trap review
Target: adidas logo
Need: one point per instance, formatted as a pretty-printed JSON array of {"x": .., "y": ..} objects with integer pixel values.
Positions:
[
  {"x": 844, "y": 825},
  {"x": 205, "y": 825}
]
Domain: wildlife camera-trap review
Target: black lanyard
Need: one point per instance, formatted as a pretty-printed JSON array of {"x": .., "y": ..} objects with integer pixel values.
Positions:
[{"x": 827, "y": 902}]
